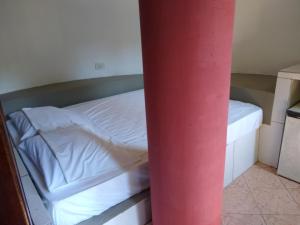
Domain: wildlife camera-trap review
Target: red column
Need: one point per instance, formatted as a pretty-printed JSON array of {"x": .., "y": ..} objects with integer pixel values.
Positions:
[{"x": 187, "y": 61}]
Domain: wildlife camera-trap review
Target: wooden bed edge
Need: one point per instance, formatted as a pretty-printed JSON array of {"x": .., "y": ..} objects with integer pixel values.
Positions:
[{"x": 14, "y": 210}]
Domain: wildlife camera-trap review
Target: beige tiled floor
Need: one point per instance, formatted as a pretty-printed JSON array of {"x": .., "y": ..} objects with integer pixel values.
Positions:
[{"x": 260, "y": 197}]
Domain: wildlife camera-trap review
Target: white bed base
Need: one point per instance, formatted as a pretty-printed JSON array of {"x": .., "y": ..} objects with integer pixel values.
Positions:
[
  {"x": 240, "y": 156},
  {"x": 139, "y": 214}
]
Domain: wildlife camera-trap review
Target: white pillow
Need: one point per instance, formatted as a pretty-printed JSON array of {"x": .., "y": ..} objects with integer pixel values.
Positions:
[
  {"x": 49, "y": 118},
  {"x": 22, "y": 124},
  {"x": 41, "y": 157},
  {"x": 83, "y": 155}
]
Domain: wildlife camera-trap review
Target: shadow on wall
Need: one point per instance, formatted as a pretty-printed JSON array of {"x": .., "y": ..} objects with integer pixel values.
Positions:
[
  {"x": 51, "y": 41},
  {"x": 267, "y": 35}
]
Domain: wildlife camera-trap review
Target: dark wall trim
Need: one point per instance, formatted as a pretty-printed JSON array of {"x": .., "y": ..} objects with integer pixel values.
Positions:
[{"x": 72, "y": 92}]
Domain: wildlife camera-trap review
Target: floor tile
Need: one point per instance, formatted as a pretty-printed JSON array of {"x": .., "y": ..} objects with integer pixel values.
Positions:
[
  {"x": 239, "y": 200},
  {"x": 275, "y": 201},
  {"x": 240, "y": 182},
  {"x": 258, "y": 177},
  {"x": 282, "y": 220},
  {"x": 261, "y": 197},
  {"x": 266, "y": 167},
  {"x": 295, "y": 193},
  {"x": 238, "y": 219},
  {"x": 288, "y": 183}
]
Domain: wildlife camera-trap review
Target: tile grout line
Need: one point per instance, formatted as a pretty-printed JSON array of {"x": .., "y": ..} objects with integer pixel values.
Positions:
[
  {"x": 261, "y": 213},
  {"x": 265, "y": 214},
  {"x": 291, "y": 196},
  {"x": 252, "y": 194},
  {"x": 251, "y": 189}
]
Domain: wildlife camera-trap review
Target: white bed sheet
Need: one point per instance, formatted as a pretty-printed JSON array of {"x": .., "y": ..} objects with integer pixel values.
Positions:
[
  {"x": 242, "y": 119},
  {"x": 97, "y": 199},
  {"x": 123, "y": 117},
  {"x": 80, "y": 201}
]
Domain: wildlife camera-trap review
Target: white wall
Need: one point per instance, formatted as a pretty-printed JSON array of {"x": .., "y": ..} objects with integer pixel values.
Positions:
[
  {"x": 46, "y": 41},
  {"x": 267, "y": 35}
]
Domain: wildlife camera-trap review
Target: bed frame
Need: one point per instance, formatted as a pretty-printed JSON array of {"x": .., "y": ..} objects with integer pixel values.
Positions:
[
  {"x": 24, "y": 205},
  {"x": 240, "y": 156},
  {"x": 14, "y": 177}
]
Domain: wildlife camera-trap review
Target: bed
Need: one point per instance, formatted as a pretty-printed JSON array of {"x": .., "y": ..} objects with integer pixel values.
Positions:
[{"x": 122, "y": 119}]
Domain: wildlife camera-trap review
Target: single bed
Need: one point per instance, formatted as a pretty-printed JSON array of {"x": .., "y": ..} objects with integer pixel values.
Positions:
[{"x": 122, "y": 117}]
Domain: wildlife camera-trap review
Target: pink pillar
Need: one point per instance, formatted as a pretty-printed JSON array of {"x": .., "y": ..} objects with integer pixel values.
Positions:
[{"x": 187, "y": 62}]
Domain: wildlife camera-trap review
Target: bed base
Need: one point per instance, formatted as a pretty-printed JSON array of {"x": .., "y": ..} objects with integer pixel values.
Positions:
[
  {"x": 240, "y": 156},
  {"x": 133, "y": 211}
]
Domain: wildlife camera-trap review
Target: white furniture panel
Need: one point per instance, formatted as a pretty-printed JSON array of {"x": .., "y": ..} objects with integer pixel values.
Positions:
[
  {"x": 245, "y": 153},
  {"x": 289, "y": 164},
  {"x": 270, "y": 143},
  {"x": 291, "y": 72},
  {"x": 281, "y": 101},
  {"x": 240, "y": 156},
  {"x": 294, "y": 92},
  {"x": 287, "y": 93},
  {"x": 228, "y": 176}
]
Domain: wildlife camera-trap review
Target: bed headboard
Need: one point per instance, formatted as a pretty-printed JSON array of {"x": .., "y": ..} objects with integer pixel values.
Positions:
[
  {"x": 256, "y": 89},
  {"x": 69, "y": 93}
]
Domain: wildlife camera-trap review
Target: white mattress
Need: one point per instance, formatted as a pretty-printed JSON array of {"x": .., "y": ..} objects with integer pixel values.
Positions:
[
  {"x": 242, "y": 119},
  {"x": 123, "y": 118},
  {"x": 80, "y": 201}
]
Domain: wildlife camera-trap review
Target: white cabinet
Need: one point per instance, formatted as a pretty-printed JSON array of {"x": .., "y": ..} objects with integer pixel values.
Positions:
[
  {"x": 270, "y": 143},
  {"x": 287, "y": 93},
  {"x": 281, "y": 101}
]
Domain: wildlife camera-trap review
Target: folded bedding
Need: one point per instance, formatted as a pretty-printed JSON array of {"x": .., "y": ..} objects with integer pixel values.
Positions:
[
  {"x": 23, "y": 126},
  {"x": 122, "y": 116},
  {"x": 74, "y": 154},
  {"x": 49, "y": 117},
  {"x": 72, "y": 142},
  {"x": 31, "y": 121},
  {"x": 37, "y": 151}
]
